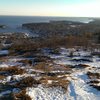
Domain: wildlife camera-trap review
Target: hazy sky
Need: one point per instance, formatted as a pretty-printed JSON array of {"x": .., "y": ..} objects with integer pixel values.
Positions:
[{"x": 81, "y": 8}]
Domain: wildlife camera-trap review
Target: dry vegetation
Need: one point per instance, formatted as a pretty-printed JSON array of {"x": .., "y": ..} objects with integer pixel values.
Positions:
[
  {"x": 21, "y": 96},
  {"x": 26, "y": 62},
  {"x": 94, "y": 82},
  {"x": 51, "y": 42},
  {"x": 12, "y": 70},
  {"x": 2, "y": 77},
  {"x": 27, "y": 82},
  {"x": 42, "y": 66},
  {"x": 55, "y": 81},
  {"x": 93, "y": 75},
  {"x": 81, "y": 66},
  {"x": 66, "y": 41},
  {"x": 16, "y": 96}
]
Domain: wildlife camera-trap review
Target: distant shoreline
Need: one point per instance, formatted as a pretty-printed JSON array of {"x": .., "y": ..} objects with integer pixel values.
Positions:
[{"x": 17, "y": 21}]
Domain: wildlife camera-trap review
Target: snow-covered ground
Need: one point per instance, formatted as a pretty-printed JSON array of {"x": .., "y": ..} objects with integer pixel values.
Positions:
[
  {"x": 78, "y": 89},
  {"x": 41, "y": 93},
  {"x": 4, "y": 52}
]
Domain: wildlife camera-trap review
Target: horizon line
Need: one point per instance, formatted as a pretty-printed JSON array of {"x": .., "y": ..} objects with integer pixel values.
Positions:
[{"x": 52, "y": 16}]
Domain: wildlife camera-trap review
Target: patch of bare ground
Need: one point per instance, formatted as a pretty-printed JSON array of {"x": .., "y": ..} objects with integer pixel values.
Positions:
[
  {"x": 54, "y": 81},
  {"x": 94, "y": 82},
  {"x": 12, "y": 70},
  {"x": 27, "y": 82}
]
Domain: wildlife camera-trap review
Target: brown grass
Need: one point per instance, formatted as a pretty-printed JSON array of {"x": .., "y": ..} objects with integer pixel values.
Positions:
[
  {"x": 53, "y": 41},
  {"x": 56, "y": 81},
  {"x": 41, "y": 58},
  {"x": 22, "y": 96},
  {"x": 43, "y": 67},
  {"x": 24, "y": 44},
  {"x": 61, "y": 83},
  {"x": 83, "y": 65},
  {"x": 29, "y": 62},
  {"x": 2, "y": 77},
  {"x": 13, "y": 70},
  {"x": 65, "y": 67},
  {"x": 27, "y": 82},
  {"x": 47, "y": 68}
]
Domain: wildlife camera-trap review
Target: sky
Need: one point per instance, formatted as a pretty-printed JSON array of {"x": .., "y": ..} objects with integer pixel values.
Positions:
[{"x": 64, "y": 8}]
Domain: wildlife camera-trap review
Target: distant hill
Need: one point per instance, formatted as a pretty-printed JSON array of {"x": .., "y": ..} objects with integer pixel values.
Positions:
[{"x": 63, "y": 27}]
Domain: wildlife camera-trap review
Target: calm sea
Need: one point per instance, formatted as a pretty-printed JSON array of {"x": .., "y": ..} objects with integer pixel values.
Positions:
[{"x": 14, "y": 23}]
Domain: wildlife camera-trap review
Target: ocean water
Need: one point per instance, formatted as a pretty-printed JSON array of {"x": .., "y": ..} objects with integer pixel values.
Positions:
[{"x": 14, "y": 23}]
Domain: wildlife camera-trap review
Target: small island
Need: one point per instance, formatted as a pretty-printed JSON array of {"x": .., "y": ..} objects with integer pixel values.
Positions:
[{"x": 2, "y": 26}]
